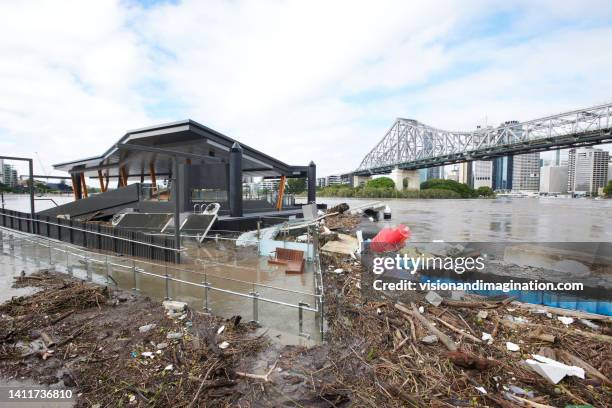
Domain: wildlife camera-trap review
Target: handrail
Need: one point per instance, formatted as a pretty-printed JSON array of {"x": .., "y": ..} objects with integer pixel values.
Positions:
[
  {"x": 205, "y": 285},
  {"x": 91, "y": 232}
]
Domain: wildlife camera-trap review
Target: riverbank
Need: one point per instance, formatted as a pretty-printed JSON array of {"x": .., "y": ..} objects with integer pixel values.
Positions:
[{"x": 380, "y": 352}]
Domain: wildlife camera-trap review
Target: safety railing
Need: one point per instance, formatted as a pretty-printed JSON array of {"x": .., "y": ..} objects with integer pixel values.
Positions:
[
  {"x": 129, "y": 273},
  {"x": 92, "y": 235}
]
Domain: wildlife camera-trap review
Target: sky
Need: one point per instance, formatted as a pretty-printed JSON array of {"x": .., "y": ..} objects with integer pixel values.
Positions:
[{"x": 299, "y": 80}]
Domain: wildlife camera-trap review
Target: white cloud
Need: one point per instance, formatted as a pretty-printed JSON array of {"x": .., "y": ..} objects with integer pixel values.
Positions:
[{"x": 298, "y": 80}]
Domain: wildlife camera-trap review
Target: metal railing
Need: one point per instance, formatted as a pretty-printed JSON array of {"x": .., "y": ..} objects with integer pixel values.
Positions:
[
  {"x": 92, "y": 235},
  {"x": 109, "y": 263}
]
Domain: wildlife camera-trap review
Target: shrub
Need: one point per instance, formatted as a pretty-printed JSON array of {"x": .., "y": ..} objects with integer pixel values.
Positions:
[
  {"x": 381, "y": 182},
  {"x": 485, "y": 191},
  {"x": 462, "y": 189},
  {"x": 608, "y": 189}
]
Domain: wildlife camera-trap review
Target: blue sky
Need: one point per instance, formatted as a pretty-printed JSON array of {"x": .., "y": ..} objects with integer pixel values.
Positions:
[{"x": 298, "y": 80}]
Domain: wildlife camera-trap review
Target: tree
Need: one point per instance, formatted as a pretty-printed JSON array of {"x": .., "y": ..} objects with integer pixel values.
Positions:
[
  {"x": 463, "y": 189},
  {"x": 381, "y": 182},
  {"x": 295, "y": 186},
  {"x": 608, "y": 189},
  {"x": 485, "y": 191}
]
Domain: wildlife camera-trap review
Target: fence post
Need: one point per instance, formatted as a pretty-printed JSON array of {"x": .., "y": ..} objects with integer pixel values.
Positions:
[
  {"x": 51, "y": 265},
  {"x": 109, "y": 268},
  {"x": 255, "y": 296},
  {"x": 1, "y": 242},
  {"x": 167, "y": 281},
  {"x": 89, "y": 271},
  {"x": 301, "y": 305},
  {"x": 68, "y": 266},
  {"x": 206, "y": 290},
  {"x": 135, "y": 288},
  {"x": 11, "y": 244}
]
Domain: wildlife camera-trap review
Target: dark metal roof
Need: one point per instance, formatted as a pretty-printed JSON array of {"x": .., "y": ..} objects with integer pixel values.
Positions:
[{"x": 186, "y": 136}]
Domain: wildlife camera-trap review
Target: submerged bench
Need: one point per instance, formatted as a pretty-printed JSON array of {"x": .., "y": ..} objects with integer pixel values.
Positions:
[{"x": 293, "y": 259}]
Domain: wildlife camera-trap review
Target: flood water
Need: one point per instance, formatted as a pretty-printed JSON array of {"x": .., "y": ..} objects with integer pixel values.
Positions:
[{"x": 500, "y": 219}]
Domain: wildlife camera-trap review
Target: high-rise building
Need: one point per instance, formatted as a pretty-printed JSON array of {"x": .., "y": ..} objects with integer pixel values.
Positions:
[
  {"x": 526, "y": 172},
  {"x": 435, "y": 172},
  {"x": 588, "y": 170},
  {"x": 321, "y": 182},
  {"x": 452, "y": 172},
  {"x": 502, "y": 173},
  {"x": 553, "y": 179},
  {"x": 465, "y": 173},
  {"x": 482, "y": 174},
  {"x": 334, "y": 179},
  {"x": 9, "y": 175},
  {"x": 270, "y": 184}
]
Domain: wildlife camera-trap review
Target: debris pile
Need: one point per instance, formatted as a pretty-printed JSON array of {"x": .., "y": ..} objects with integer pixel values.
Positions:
[
  {"x": 432, "y": 352},
  {"x": 123, "y": 349}
]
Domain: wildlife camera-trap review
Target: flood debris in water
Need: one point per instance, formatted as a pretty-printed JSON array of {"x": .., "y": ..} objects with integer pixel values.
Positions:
[{"x": 118, "y": 349}]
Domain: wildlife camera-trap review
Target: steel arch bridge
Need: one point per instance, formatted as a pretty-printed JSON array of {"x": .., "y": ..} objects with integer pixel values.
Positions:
[{"x": 412, "y": 145}]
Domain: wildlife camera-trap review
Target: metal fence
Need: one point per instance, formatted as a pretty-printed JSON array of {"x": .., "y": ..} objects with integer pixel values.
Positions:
[
  {"x": 92, "y": 235},
  {"x": 130, "y": 273}
]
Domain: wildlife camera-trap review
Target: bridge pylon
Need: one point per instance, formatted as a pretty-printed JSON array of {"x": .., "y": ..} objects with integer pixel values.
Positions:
[{"x": 410, "y": 176}]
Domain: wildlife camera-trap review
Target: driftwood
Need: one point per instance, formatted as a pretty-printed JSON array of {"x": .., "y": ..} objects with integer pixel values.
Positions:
[
  {"x": 577, "y": 361},
  {"x": 265, "y": 377},
  {"x": 459, "y": 331},
  {"x": 447, "y": 341}
]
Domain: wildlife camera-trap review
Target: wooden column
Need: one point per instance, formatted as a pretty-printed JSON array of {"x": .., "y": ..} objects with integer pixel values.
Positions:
[
  {"x": 76, "y": 185},
  {"x": 281, "y": 193},
  {"x": 84, "y": 185},
  {"x": 102, "y": 188},
  {"x": 153, "y": 178},
  {"x": 123, "y": 176}
]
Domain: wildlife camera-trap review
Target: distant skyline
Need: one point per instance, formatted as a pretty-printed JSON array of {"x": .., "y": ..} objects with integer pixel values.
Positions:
[{"x": 301, "y": 81}]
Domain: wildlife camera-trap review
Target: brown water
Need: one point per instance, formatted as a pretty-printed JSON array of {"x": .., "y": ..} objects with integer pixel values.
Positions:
[
  {"x": 223, "y": 266},
  {"x": 500, "y": 219}
]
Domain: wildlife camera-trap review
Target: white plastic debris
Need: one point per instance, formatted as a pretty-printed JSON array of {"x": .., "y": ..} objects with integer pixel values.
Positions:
[
  {"x": 433, "y": 298},
  {"x": 146, "y": 327},
  {"x": 224, "y": 345},
  {"x": 174, "y": 335},
  {"x": 148, "y": 354},
  {"x": 220, "y": 329},
  {"x": 565, "y": 320},
  {"x": 431, "y": 339},
  {"x": 481, "y": 389},
  {"x": 517, "y": 320},
  {"x": 338, "y": 270},
  {"x": 482, "y": 314},
  {"x": 553, "y": 370},
  {"x": 512, "y": 346},
  {"x": 174, "y": 305},
  {"x": 421, "y": 309},
  {"x": 487, "y": 337},
  {"x": 169, "y": 367},
  {"x": 589, "y": 324}
]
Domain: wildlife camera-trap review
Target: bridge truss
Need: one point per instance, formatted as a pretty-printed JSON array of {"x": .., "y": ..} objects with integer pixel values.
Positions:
[{"x": 412, "y": 145}]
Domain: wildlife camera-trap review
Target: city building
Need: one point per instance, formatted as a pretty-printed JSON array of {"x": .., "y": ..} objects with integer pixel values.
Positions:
[
  {"x": 452, "y": 172},
  {"x": 482, "y": 174},
  {"x": 435, "y": 173},
  {"x": 502, "y": 173},
  {"x": 347, "y": 178},
  {"x": 270, "y": 184},
  {"x": 464, "y": 174},
  {"x": 9, "y": 175},
  {"x": 553, "y": 179},
  {"x": 526, "y": 172},
  {"x": 588, "y": 170},
  {"x": 333, "y": 179},
  {"x": 321, "y": 182}
]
